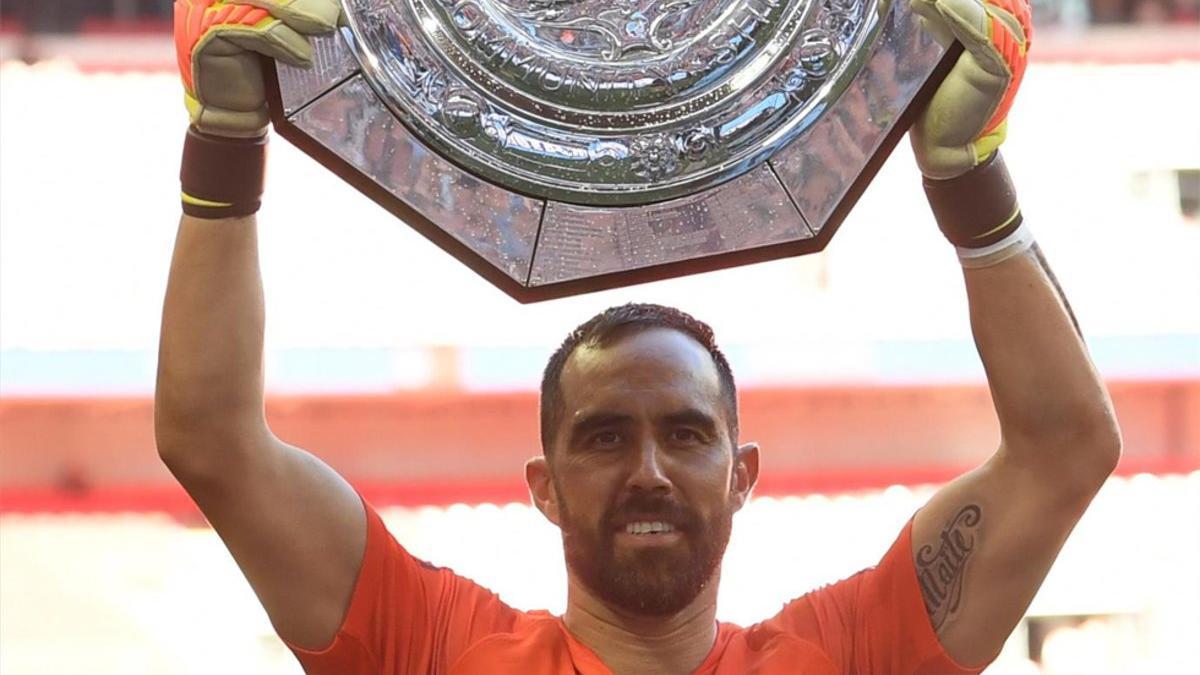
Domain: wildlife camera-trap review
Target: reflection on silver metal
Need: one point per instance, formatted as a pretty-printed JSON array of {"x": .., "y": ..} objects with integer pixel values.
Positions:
[
  {"x": 332, "y": 62},
  {"x": 609, "y": 136},
  {"x": 498, "y": 225},
  {"x": 748, "y": 212},
  {"x": 825, "y": 160}
]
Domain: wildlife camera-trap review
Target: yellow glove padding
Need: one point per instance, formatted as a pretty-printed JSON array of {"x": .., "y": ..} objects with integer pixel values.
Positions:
[
  {"x": 217, "y": 44},
  {"x": 966, "y": 119}
]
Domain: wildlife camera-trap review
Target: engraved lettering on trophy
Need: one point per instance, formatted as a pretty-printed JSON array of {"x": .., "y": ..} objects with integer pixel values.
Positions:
[
  {"x": 737, "y": 33},
  {"x": 662, "y": 78},
  {"x": 494, "y": 48},
  {"x": 586, "y": 82},
  {"x": 744, "y": 25},
  {"x": 501, "y": 52},
  {"x": 631, "y": 27},
  {"x": 550, "y": 80},
  {"x": 724, "y": 48},
  {"x": 522, "y": 63}
]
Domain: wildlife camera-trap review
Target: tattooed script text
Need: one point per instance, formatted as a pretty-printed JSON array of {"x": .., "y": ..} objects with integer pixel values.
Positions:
[{"x": 940, "y": 570}]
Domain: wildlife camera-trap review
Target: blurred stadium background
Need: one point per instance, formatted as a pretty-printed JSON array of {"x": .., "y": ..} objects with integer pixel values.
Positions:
[{"x": 418, "y": 381}]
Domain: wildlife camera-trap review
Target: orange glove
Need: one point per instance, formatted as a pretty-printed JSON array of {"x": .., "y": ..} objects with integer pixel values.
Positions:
[
  {"x": 217, "y": 44},
  {"x": 965, "y": 121}
]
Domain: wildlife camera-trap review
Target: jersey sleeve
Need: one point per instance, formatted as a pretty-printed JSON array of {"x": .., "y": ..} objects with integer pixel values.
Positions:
[
  {"x": 405, "y": 615},
  {"x": 874, "y": 622}
]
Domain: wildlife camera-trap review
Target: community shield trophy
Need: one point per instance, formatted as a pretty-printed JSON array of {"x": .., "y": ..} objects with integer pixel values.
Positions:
[{"x": 562, "y": 146}]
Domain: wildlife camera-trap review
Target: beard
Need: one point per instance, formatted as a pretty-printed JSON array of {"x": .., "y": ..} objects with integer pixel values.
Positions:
[{"x": 651, "y": 581}]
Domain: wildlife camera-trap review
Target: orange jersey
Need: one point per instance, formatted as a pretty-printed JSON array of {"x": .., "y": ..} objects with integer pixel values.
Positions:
[{"x": 407, "y": 617}]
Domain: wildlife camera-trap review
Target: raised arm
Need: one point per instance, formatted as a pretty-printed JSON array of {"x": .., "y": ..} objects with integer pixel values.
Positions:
[
  {"x": 296, "y": 528},
  {"x": 983, "y": 545}
]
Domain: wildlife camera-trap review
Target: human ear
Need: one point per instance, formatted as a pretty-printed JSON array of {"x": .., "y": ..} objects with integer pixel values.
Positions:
[
  {"x": 745, "y": 473},
  {"x": 541, "y": 488}
]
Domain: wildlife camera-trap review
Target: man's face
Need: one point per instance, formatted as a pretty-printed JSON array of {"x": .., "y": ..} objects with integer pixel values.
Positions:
[{"x": 642, "y": 468}]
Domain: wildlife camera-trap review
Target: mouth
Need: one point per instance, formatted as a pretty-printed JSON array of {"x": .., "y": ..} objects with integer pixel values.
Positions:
[
  {"x": 648, "y": 527},
  {"x": 649, "y": 533}
]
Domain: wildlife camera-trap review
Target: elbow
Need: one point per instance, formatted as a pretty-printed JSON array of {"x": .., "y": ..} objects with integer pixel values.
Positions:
[
  {"x": 195, "y": 441},
  {"x": 1099, "y": 438},
  {"x": 175, "y": 428},
  {"x": 1102, "y": 446},
  {"x": 179, "y": 443},
  {"x": 1081, "y": 454}
]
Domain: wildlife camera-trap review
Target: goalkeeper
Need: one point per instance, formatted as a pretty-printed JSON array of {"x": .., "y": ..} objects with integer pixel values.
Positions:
[{"x": 642, "y": 468}]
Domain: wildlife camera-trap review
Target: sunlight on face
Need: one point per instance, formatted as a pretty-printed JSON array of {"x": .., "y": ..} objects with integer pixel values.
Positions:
[{"x": 642, "y": 470}]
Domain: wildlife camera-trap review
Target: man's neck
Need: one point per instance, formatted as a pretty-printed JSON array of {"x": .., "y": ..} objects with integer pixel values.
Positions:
[{"x": 631, "y": 643}]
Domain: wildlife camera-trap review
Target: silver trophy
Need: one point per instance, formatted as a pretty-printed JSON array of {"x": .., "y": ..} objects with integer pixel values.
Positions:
[{"x": 562, "y": 146}]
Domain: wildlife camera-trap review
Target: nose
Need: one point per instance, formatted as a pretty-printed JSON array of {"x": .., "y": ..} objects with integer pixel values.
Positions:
[{"x": 647, "y": 472}]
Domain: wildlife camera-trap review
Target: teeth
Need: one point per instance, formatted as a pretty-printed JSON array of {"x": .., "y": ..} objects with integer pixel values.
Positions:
[{"x": 648, "y": 527}]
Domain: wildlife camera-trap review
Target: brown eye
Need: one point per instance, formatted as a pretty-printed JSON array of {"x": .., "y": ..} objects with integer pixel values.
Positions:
[
  {"x": 685, "y": 435},
  {"x": 606, "y": 439}
]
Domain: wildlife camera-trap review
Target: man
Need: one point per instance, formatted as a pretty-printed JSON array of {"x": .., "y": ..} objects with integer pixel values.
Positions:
[{"x": 641, "y": 467}]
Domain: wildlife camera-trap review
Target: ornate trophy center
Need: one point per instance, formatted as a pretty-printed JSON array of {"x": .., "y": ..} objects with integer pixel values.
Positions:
[
  {"x": 614, "y": 102},
  {"x": 602, "y": 56},
  {"x": 561, "y": 146}
]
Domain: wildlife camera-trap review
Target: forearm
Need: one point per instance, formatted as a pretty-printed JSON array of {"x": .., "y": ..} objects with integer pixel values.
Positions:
[
  {"x": 210, "y": 383},
  {"x": 1053, "y": 408}
]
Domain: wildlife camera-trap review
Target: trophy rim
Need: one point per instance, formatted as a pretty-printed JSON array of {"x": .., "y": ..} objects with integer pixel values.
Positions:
[{"x": 523, "y": 292}]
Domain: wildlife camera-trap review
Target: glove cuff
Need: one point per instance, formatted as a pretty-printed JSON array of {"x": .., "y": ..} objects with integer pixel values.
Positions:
[
  {"x": 222, "y": 177},
  {"x": 978, "y": 208},
  {"x": 1015, "y": 244}
]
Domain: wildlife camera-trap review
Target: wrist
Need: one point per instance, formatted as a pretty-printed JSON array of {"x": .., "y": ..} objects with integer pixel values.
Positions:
[
  {"x": 978, "y": 208},
  {"x": 220, "y": 176},
  {"x": 1016, "y": 243},
  {"x": 978, "y": 212}
]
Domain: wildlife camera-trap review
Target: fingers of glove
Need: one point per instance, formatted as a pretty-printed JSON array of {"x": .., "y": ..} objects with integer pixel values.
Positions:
[
  {"x": 308, "y": 17},
  {"x": 276, "y": 40},
  {"x": 204, "y": 28},
  {"x": 196, "y": 20},
  {"x": 1010, "y": 37},
  {"x": 932, "y": 22},
  {"x": 970, "y": 23},
  {"x": 1017, "y": 15}
]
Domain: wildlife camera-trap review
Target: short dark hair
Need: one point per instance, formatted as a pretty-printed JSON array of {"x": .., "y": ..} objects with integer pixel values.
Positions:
[{"x": 615, "y": 322}]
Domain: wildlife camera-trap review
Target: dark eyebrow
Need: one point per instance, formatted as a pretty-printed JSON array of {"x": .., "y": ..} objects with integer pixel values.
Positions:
[
  {"x": 693, "y": 418},
  {"x": 598, "y": 420}
]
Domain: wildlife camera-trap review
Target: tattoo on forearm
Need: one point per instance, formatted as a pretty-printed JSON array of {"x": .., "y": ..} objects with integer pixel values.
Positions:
[
  {"x": 940, "y": 570},
  {"x": 1062, "y": 297}
]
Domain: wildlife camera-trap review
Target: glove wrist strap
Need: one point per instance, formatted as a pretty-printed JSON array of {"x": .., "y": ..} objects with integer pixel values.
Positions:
[
  {"x": 222, "y": 177},
  {"x": 1020, "y": 241},
  {"x": 978, "y": 208}
]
